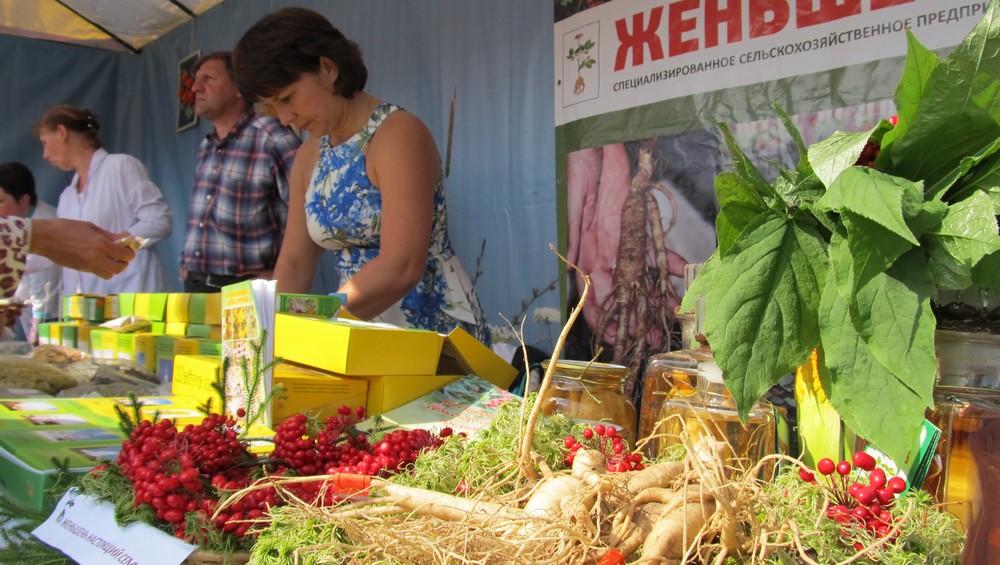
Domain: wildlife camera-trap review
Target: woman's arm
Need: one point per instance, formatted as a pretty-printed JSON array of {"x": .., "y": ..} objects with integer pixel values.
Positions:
[
  {"x": 152, "y": 217},
  {"x": 79, "y": 245},
  {"x": 404, "y": 164},
  {"x": 299, "y": 255}
]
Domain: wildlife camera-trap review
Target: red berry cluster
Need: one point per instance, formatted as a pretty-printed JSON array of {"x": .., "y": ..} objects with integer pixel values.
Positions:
[
  {"x": 339, "y": 448},
  {"x": 170, "y": 471},
  {"x": 867, "y": 506},
  {"x": 606, "y": 440}
]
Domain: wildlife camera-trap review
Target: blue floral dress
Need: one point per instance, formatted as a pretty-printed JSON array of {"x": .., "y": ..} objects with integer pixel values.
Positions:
[{"x": 344, "y": 214}]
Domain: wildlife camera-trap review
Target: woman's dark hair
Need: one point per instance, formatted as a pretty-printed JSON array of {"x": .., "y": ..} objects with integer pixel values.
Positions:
[
  {"x": 72, "y": 118},
  {"x": 17, "y": 180},
  {"x": 288, "y": 43}
]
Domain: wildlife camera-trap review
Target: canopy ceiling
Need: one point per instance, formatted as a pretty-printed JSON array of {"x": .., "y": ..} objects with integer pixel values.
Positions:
[{"x": 121, "y": 25}]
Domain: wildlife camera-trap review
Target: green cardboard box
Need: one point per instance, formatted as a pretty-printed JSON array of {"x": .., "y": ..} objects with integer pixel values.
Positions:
[
  {"x": 196, "y": 308},
  {"x": 126, "y": 304}
]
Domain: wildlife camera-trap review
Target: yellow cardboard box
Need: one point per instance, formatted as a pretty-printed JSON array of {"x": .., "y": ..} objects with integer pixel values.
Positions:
[
  {"x": 151, "y": 305},
  {"x": 61, "y": 333},
  {"x": 176, "y": 328},
  {"x": 213, "y": 309},
  {"x": 144, "y": 350},
  {"x": 125, "y": 347},
  {"x": 386, "y": 392},
  {"x": 304, "y": 390},
  {"x": 462, "y": 354},
  {"x": 83, "y": 337},
  {"x": 103, "y": 344},
  {"x": 111, "y": 307},
  {"x": 177, "y": 307},
  {"x": 313, "y": 392},
  {"x": 355, "y": 348},
  {"x": 165, "y": 356},
  {"x": 194, "y": 375}
]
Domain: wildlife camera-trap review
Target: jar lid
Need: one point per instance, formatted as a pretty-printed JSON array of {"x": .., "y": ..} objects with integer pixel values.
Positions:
[{"x": 586, "y": 369}]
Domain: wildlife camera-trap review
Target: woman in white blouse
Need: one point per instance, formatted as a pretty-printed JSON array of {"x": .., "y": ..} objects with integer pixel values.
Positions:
[{"x": 114, "y": 192}]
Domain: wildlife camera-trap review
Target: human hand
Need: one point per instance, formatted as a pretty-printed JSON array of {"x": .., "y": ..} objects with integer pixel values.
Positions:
[
  {"x": 80, "y": 245},
  {"x": 9, "y": 313}
]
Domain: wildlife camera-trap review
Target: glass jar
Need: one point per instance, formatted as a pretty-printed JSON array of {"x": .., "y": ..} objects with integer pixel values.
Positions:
[
  {"x": 591, "y": 393},
  {"x": 711, "y": 412},
  {"x": 666, "y": 374},
  {"x": 964, "y": 472}
]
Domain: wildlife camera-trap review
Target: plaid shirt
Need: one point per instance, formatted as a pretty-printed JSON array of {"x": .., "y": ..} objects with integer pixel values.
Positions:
[{"x": 239, "y": 203}]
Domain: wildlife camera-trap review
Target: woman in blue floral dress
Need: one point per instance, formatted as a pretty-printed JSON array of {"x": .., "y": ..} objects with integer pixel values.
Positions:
[{"x": 366, "y": 183}]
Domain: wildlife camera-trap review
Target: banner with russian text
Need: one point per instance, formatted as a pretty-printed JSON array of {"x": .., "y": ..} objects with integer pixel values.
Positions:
[{"x": 640, "y": 86}]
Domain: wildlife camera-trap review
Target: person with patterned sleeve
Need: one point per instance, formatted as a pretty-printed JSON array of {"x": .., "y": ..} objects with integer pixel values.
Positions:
[
  {"x": 239, "y": 204},
  {"x": 70, "y": 243}
]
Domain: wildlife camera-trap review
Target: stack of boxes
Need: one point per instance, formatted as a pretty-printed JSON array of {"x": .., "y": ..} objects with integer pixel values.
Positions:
[
  {"x": 326, "y": 362},
  {"x": 180, "y": 323}
]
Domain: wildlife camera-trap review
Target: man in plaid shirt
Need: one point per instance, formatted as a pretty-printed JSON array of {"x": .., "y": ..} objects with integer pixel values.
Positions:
[{"x": 239, "y": 203}]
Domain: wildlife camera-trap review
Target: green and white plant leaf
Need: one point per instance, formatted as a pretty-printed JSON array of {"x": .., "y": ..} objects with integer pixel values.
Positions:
[{"x": 847, "y": 258}]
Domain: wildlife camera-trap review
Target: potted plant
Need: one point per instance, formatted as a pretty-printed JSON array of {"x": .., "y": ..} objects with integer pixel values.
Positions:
[{"x": 843, "y": 253}]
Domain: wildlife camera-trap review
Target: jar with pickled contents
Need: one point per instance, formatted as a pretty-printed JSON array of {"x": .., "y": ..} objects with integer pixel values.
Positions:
[
  {"x": 591, "y": 393},
  {"x": 964, "y": 473},
  {"x": 711, "y": 413},
  {"x": 666, "y": 374}
]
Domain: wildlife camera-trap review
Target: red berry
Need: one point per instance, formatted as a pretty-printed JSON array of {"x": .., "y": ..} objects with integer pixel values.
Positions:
[
  {"x": 825, "y": 466},
  {"x": 885, "y": 496},
  {"x": 877, "y": 478},
  {"x": 241, "y": 413},
  {"x": 866, "y": 495},
  {"x": 864, "y": 461},
  {"x": 893, "y": 120},
  {"x": 897, "y": 484},
  {"x": 844, "y": 468},
  {"x": 807, "y": 475}
]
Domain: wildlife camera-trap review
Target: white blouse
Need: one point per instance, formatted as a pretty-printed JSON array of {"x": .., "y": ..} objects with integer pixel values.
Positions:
[{"x": 119, "y": 196}]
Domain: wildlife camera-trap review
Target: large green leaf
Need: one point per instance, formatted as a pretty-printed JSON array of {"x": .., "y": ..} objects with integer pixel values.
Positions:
[
  {"x": 892, "y": 314},
  {"x": 870, "y": 194},
  {"x": 739, "y": 205},
  {"x": 966, "y": 234},
  {"x": 957, "y": 113},
  {"x": 744, "y": 168},
  {"x": 981, "y": 172},
  {"x": 836, "y": 153},
  {"x": 920, "y": 63},
  {"x": 803, "y": 167},
  {"x": 870, "y": 399},
  {"x": 968, "y": 230},
  {"x": 987, "y": 272},
  {"x": 763, "y": 298},
  {"x": 873, "y": 249}
]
